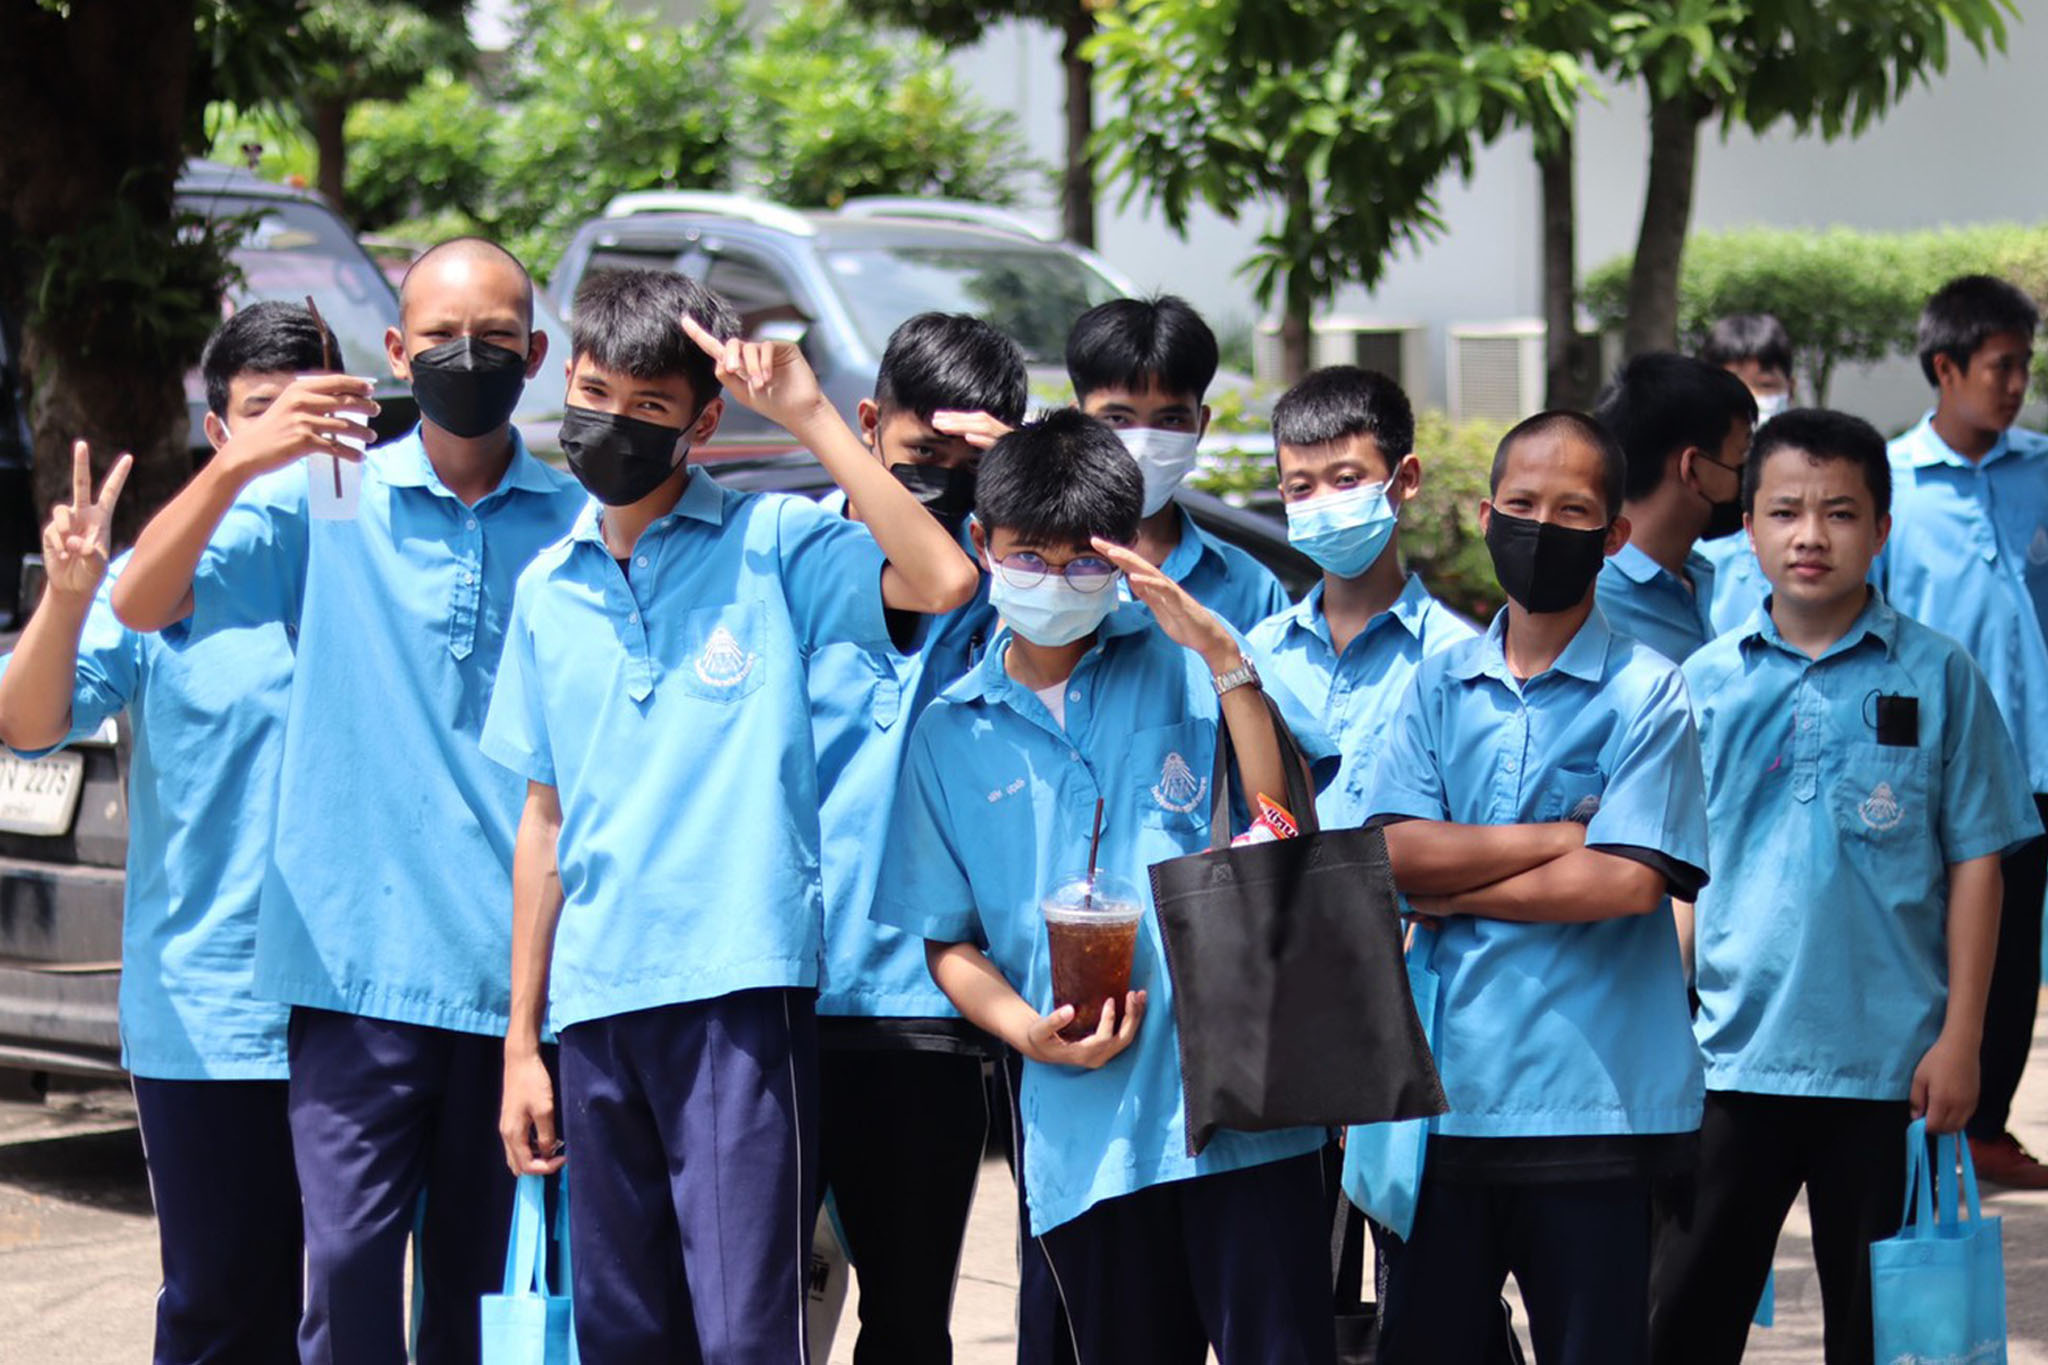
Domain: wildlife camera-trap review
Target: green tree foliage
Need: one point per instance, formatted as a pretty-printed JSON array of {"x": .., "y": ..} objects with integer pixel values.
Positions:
[
  {"x": 1847, "y": 297},
  {"x": 1336, "y": 120},
  {"x": 811, "y": 110},
  {"x": 354, "y": 50}
]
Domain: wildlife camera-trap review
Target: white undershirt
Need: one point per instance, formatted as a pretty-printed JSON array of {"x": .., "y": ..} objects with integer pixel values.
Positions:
[{"x": 1055, "y": 699}]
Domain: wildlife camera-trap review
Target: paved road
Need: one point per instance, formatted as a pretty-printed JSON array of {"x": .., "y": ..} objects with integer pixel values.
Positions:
[{"x": 78, "y": 1246}]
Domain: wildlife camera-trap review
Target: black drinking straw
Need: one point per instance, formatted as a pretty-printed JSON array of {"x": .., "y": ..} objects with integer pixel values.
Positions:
[
  {"x": 1094, "y": 847},
  {"x": 326, "y": 360}
]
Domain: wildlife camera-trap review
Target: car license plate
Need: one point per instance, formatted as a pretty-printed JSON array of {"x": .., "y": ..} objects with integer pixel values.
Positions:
[{"x": 40, "y": 797}]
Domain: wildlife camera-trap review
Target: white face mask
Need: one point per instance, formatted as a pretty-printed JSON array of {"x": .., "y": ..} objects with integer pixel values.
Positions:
[
  {"x": 1164, "y": 458},
  {"x": 1769, "y": 405}
]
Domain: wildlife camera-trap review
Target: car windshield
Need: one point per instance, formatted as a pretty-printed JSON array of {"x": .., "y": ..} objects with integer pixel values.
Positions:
[
  {"x": 296, "y": 249},
  {"x": 1032, "y": 294}
]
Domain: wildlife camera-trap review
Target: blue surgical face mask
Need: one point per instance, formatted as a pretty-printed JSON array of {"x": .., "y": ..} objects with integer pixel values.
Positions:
[
  {"x": 1769, "y": 405},
  {"x": 1051, "y": 612},
  {"x": 1343, "y": 532}
]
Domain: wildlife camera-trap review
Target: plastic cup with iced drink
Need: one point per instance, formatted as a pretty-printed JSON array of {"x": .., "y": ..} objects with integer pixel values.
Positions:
[{"x": 1091, "y": 925}]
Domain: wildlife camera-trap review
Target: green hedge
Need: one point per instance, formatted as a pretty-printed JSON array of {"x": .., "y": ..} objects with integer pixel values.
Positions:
[
  {"x": 1440, "y": 529},
  {"x": 1846, "y": 296}
]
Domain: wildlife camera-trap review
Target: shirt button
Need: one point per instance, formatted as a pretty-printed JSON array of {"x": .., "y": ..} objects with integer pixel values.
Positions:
[
  {"x": 1509, "y": 766},
  {"x": 1073, "y": 696},
  {"x": 633, "y": 619},
  {"x": 469, "y": 578},
  {"x": 469, "y": 523},
  {"x": 641, "y": 561},
  {"x": 1073, "y": 757}
]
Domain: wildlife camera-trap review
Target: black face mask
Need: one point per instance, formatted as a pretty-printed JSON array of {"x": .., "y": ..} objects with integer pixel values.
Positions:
[
  {"x": 947, "y": 494},
  {"x": 467, "y": 387},
  {"x": 619, "y": 459},
  {"x": 1543, "y": 566},
  {"x": 1723, "y": 519}
]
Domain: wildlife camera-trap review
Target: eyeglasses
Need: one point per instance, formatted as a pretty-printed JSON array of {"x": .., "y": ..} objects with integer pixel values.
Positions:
[{"x": 1027, "y": 570}]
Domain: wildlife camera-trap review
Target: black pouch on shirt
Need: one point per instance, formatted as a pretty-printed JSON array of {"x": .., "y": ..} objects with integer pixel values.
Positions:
[{"x": 1898, "y": 722}]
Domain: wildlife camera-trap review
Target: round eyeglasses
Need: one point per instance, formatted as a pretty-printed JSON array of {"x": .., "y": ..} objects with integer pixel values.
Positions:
[{"x": 1027, "y": 570}]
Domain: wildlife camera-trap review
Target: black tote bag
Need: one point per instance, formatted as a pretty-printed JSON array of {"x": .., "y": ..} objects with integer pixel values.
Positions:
[{"x": 1290, "y": 991}]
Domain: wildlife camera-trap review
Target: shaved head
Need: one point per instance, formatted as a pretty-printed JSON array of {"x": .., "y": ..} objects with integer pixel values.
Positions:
[{"x": 466, "y": 264}]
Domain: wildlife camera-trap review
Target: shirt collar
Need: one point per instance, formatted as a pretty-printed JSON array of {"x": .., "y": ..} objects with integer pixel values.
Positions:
[
  {"x": 1878, "y": 621},
  {"x": 1637, "y": 566},
  {"x": 1924, "y": 447},
  {"x": 1410, "y": 610},
  {"x": 1584, "y": 658},
  {"x": 404, "y": 464},
  {"x": 1195, "y": 546},
  {"x": 703, "y": 500},
  {"x": 990, "y": 679}
]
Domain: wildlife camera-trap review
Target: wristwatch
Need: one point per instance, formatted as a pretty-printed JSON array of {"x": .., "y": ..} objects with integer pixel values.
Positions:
[{"x": 1246, "y": 674}]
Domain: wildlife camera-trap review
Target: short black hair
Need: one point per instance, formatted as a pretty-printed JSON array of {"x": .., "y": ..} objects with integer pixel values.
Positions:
[
  {"x": 268, "y": 337},
  {"x": 1967, "y": 312},
  {"x": 1613, "y": 464},
  {"x": 1660, "y": 403},
  {"x": 1137, "y": 344},
  {"x": 629, "y": 322},
  {"x": 1749, "y": 336},
  {"x": 1822, "y": 434},
  {"x": 952, "y": 361},
  {"x": 1341, "y": 401},
  {"x": 471, "y": 248},
  {"x": 1061, "y": 480}
]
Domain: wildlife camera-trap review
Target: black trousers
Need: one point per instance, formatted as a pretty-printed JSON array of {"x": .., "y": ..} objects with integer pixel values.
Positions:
[
  {"x": 227, "y": 1217},
  {"x": 901, "y": 1138},
  {"x": 2015, "y": 987},
  {"x": 1239, "y": 1260},
  {"x": 1715, "y": 1240},
  {"x": 1580, "y": 1250}
]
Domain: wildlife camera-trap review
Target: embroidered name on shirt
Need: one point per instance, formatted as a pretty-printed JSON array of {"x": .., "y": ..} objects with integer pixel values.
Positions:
[
  {"x": 723, "y": 663},
  {"x": 1000, "y": 792},
  {"x": 1179, "y": 789},
  {"x": 1881, "y": 810}
]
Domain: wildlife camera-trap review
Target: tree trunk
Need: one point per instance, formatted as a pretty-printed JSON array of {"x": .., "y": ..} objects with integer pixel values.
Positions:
[
  {"x": 1077, "y": 181},
  {"x": 95, "y": 107},
  {"x": 326, "y": 118},
  {"x": 1667, "y": 211},
  {"x": 1296, "y": 342},
  {"x": 1569, "y": 359}
]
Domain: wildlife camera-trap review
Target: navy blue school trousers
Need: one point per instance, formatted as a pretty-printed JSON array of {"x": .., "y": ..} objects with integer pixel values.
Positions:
[
  {"x": 693, "y": 1141},
  {"x": 396, "y": 1125},
  {"x": 1239, "y": 1261},
  {"x": 227, "y": 1220}
]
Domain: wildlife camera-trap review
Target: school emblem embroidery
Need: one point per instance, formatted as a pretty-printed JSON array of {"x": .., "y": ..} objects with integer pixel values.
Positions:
[
  {"x": 723, "y": 663},
  {"x": 1881, "y": 810},
  {"x": 1179, "y": 789},
  {"x": 1583, "y": 813}
]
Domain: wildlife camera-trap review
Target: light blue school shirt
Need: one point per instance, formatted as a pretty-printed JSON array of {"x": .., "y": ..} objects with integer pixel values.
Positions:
[
  {"x": 1356, "y": 693},
  {"x": 1739, "y": 583},
  {"x": 1225, "y": 579},
  {"x": 206, "y": 720},
  {"x": 1969, "y": 552},
  {"x": 389, "y": 893},
  {"x": 1822, "y": 961},
  {"x": 864, "y": 703},
  {"x": 671, "y": 712},
  {"x": 1559, "y": 1030},
  {"x": 995, "y": 811},
  {"x": 1641, "y": 597}
]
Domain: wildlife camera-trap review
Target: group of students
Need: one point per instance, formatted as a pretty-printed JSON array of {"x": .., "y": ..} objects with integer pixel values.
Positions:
[{"x": 692, "y": 841}]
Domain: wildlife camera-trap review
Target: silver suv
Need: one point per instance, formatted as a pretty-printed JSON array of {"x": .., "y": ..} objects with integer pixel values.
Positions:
[{"x": 838, "y": 283}]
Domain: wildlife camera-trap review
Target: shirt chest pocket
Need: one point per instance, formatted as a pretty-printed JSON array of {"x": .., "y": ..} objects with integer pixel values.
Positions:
[
  {"x": 722, "y": 655},
  {"x": 1171, "y": 770},
  {"x": 1573, "y": 794},
  {"x": 1880, "y": 797}
]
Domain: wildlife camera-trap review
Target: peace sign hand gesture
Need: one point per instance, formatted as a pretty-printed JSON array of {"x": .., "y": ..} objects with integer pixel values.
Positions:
[{"x": 79, "y": 538}]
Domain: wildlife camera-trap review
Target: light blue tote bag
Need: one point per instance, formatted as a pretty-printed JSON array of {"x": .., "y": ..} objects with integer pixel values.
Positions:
[
  {"x": 1937, "y": 1290},
  {"x": 1383, "y": 1161},
  {"x": 526, "y": 1324}
]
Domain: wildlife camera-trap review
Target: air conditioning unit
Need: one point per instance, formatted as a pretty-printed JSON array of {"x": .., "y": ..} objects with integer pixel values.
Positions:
[
  {"x": 1396, "y": 349},
  {"x": 1496, "y": 370}
]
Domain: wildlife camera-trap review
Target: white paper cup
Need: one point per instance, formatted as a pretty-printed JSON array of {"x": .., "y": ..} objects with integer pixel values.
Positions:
[{"x": 333, "y": 484}]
